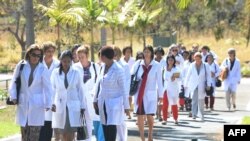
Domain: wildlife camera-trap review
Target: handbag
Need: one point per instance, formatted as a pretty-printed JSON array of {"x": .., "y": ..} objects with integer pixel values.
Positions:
[
  {"x": 18, "y": 86},
  {"x": 134, "y": 82},
  {"x": 217, "y": 80},
  {"x": 182, "y": 93},
  {"x": 224, "y": 72},
  {"x": 210, "y": 91},
  {"x": 82, "y": 132}
]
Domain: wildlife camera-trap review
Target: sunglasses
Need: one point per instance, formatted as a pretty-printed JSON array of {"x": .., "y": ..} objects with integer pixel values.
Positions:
[{"x": 36, "y": 55}]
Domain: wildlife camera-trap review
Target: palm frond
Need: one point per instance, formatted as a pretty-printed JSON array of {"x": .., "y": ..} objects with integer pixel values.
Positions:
[{"x": 183, "y": 4}]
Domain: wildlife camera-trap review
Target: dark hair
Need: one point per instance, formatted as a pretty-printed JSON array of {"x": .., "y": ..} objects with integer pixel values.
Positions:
[
  {"x": 191, "y": 53},
  {"x": 126, "y": 48},
  {"x": 108, "y": 52},
  {"x": 169, "y": 57},
  {"x": 185, "y": 52},
  {"x": 66, "y": 53},
  {"x": 206, "y": 48},
  {"x": 150, "y": 48},
  {"x": 47, "y": 45},
  {"x": 208, "y": 56},
  {"x": 159, "y": 49},
  {"x": 75, "y": 47},
  {"x": 32, "y": 48},
  {"x": 138, "y": 54}
]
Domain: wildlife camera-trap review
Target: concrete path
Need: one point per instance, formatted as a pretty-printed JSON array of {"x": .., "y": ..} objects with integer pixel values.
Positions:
[{"x": 189, "y": 129}]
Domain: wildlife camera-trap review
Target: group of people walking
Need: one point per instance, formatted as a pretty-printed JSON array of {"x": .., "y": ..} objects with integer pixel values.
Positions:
[{"x": 56, "y": 94}]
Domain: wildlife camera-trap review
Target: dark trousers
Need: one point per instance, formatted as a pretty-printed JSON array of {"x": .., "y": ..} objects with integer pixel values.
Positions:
[
  {"x": 109, "y": 131},
  {"x": 46, "y": 132}
]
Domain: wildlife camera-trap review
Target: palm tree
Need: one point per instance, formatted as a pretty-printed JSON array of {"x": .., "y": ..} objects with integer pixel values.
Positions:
[
  {"x": 59, "y": 12},
  {"x": 91, "y": 11},
  {"x": 111, "y": 13},
  {"x": 145, "y": 18}
]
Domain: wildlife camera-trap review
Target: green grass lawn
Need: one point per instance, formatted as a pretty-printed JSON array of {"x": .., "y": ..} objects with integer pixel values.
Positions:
[
  {"x": 246, "y": 120},
  {"x": 7, "y": 122}
]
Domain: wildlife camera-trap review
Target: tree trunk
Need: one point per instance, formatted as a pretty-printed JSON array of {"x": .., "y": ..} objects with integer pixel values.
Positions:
[
  {"x": 103, "y": 36},
  {"x": 113, "y": 35},
  {"x": 144, "y": 38},
  {"x": 248, "y": 33},
  {"x": 58, "y": 42},
  {"x": 29, "y": 15},
  {"x": 92, "y": 43}
]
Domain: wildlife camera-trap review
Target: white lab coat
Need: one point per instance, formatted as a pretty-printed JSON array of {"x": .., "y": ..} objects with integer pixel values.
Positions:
[
  {"x": 172, "y": 87},
  {"x": 234, "y": 75},
  {"x": 130, "y": 62},
  {"x": 184, "y": 72},
  {"x": 89, "y": 85},
  {"x": 33, "y": 99},
  {"x": 153, "y": 89},
  {"x": 72, "y": 97},
  {"x": 215, "y": 68},
  {"x": 113, "y": 94},
  {"x": 55, "y": 63},
  {"x": 193, "y": 80},
  {"x": 126, "y": 69}
]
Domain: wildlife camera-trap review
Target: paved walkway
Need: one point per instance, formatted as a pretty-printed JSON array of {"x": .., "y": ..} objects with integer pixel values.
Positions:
[{"x": 188, "y": 129}]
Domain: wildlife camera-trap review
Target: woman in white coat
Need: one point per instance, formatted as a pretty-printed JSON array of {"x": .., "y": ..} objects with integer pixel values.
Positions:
[
  {"x": 233, "y": 78},
  {"x": 89, "y": 71},
  {"x": 50, "y": 64},
  {"x": 35, "y": 93},
  {"x": 150, "y": 89},
  {"x": 198, "y": 79},
  {"x": 112, "y": 98},
  {"x": 68, "y": 102},
  {"x": 171, "y": 84},
  {"x": 215, "y": 72},
  {"x": 122, "y": 130}
]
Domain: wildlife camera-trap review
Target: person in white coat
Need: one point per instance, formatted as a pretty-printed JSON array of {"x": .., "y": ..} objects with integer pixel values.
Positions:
[
  {"x": 159, "y": 53},
  {"x": 112, "y": 98},
  {"x": 50, "y": 64},
  {"x": 122, "y": 130},
  {"x": 127, "y": 52},
  {"x": 171, "y": 78},
  {"x": 89, "y": 71},
  {"x": 198, "y": 78},
  {"x": 233, "y": 78},
  {"x": 215, "y": 72},
  {"x": 68, "y": 102},
  {"x": 35, "y": 93},
  {"x": 150, "y": 88}
]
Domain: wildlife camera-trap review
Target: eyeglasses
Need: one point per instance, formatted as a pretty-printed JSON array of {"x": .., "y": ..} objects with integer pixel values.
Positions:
[
  {"x": 175, "y": 50},
  {"x": 36, "y": 55}
]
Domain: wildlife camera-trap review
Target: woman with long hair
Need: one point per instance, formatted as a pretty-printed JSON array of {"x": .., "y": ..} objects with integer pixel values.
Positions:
[{"x": 171, "y": 77}]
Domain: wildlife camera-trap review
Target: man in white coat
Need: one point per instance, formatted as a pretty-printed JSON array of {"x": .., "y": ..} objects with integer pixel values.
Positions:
[{"x": 233, "y": 78}]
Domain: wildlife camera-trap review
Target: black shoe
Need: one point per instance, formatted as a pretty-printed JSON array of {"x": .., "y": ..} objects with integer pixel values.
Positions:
[
  {"x": 160, "y": 119},
  {"x": 234, "y": 106}
]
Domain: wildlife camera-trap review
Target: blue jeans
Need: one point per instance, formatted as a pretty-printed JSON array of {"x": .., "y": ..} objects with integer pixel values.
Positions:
[{"x": 98, "y": 131}]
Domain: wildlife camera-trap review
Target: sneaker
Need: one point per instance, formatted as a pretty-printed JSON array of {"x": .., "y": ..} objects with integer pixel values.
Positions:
[
  {"x": 206, "y": 107},
  {"x": 181, "y": 108},
  {"x": 160, "y": 119},
  {"x": 212, "y": 109},
  {"x": 164, "y": 123}
]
